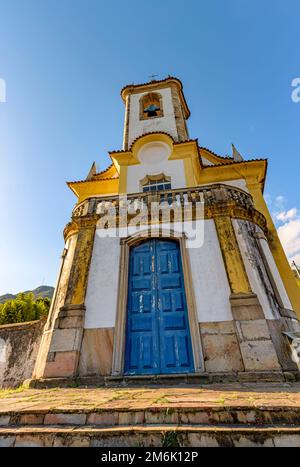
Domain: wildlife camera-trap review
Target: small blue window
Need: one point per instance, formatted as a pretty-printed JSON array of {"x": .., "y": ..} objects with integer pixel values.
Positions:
[{"x": 157, "y": 185}]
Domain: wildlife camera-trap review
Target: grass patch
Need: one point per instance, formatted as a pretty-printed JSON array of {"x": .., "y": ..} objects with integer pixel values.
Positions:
[
  {"x": 221, "y": 401},
  {"x": 170, "y": 440},
  {"x": 11, "y": 391},
  {"x": 162, "y": 400}
]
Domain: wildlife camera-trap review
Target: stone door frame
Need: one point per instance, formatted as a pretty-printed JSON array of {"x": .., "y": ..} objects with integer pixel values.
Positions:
[{"x": 120, "y": 325}]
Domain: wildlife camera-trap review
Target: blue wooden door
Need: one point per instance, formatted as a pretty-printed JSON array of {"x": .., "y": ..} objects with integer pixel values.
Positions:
[{"x": 157, "y": 331}]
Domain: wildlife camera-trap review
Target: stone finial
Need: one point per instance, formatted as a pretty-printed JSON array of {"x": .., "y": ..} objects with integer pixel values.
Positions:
[
  {"x": 236, "y": 155},
  {"x": 92, "y": 172}
]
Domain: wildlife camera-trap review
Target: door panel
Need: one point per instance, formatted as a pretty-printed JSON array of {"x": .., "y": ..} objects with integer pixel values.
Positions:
[
  {"x": 157, "y": 330},
  {"x": 141, "y": 335}
]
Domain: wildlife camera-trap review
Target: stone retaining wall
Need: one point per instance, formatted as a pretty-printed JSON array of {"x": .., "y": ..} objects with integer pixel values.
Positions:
[{"x": 19, "y": 345}]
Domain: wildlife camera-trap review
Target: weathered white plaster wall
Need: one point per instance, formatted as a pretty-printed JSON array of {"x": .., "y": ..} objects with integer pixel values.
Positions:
[
  {"x": 239, "y": 183},
  {"x": 252, "y": 273},
  {"x": 174, "y": 169},
  {"x": 276, "y": 276},
  {"x": 210, "y": 281},
  {"x": 206, "y": 161},
  {"x": 209, "y": 277},
  {"x": 102, "y": 290},
  {"x": 166, "y": 123}
]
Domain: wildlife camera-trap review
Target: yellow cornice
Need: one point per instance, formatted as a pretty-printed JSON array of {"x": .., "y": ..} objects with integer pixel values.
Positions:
[
  {"x": 149, "y": 138},
  {"x": 110, "y": 172},
  {"x": 252, "y": 171},
  {"x": 90, "y": 188},
  {"x": 188, "y": 151},
  {"x": 214, "y": 158},
  {"x": 180, "y": 150},
  {"x": 130, "y": 157},
  {"x": 123, "y": 158},
  {"x": 185, "y": 150}
]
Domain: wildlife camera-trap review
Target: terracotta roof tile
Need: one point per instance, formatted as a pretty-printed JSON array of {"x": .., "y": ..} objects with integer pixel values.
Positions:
[
  {"x": 152, "y": 133},
  {"x": 214, "y": 154},
  {"x": 159, "y": 81},
  {"x": 105, "y": 170},
  {"x": 93, "y": 180},
  {"x": 235, "y": 163},
  {"x": 228, "y": 158}
]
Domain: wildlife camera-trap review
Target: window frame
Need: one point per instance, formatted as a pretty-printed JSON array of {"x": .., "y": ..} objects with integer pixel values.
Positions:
[
  {"x": 155, "y": 96},
  {"x": 155, "y": 181}
]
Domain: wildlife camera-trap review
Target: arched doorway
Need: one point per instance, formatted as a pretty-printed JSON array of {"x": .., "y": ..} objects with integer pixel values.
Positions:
[{"x": 157, "y": 329}]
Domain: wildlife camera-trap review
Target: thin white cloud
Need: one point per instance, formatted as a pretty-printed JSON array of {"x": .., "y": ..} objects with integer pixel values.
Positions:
[
  {"x": 288, "y": 226},
  {"x": 289, "y": 233},
  {"x": 284, "y": 216},
  {"x": 296, "y": 258},
  {"x": 279, "y": 202},
  {"x": 268, "y": 199}
]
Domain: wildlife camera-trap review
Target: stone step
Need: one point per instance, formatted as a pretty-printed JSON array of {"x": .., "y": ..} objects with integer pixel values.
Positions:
[
  {"x": 213, "y": 414},
  {"x": 200, "y": 378},
  {"x": 233, "y": 415},
  {"x": 168, "y": 379},
  {"x": 150, "y": 436}
]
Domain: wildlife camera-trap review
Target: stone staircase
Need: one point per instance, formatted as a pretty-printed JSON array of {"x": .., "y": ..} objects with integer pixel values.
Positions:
[{"x": 188, "y": 426}]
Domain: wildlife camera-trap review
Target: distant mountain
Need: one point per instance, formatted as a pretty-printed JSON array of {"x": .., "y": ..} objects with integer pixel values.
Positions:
[{"x": 41, "y": 291}]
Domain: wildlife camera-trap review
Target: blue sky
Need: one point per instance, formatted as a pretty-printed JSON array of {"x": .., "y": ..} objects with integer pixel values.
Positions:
[{"x": 64, "y": 63}]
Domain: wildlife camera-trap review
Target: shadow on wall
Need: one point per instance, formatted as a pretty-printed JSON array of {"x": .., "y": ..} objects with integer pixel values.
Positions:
[{"x": 19, "y": 344}]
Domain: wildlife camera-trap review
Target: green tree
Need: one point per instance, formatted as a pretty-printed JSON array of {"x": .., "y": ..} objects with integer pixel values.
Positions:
[{"x": 24, "y": 308}]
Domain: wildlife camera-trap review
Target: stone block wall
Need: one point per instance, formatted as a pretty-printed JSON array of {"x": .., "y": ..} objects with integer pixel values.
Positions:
[{"x": 19, "y": 345}]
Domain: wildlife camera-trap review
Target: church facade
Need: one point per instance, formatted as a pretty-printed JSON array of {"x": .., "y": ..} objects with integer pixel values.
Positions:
[{"x": 172, "y": 265}]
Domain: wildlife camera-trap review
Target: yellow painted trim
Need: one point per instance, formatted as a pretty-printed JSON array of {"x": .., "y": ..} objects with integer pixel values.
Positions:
[
  {"x": 108, "y": 173},
  {"x": 123, "y": 180},
  {"x": 234, "y": 265},
  {"x": 247, "y": 170},
  {"x": 77, "y": 285},
  {"x": 214, "y": 158},
  {"x": 188, "y": 152},
  {"x": 188, "y": 171},
  {"x": 276, "y": 247},
  {"x": 88, "y": 189},
  {"x": 183, "y": 150},
  {"x": 124, "y": 158},
  {"x": 150, "y": 138},
  {"x": 195, "y": 173}
]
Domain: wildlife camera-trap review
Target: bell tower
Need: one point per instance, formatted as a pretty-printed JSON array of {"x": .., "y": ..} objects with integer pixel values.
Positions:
[{"x": 157, "y": 106}]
